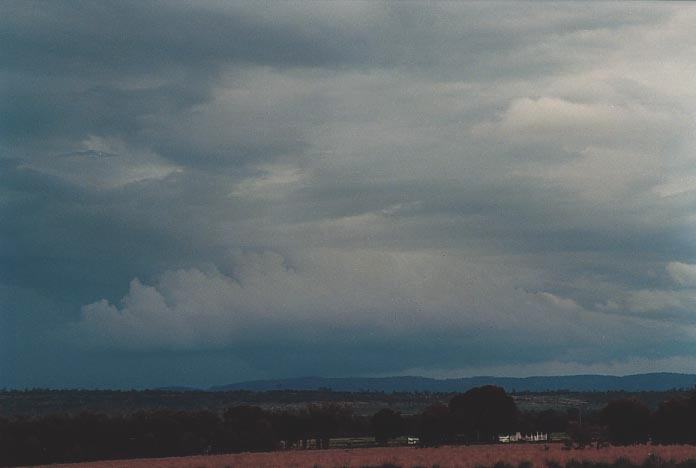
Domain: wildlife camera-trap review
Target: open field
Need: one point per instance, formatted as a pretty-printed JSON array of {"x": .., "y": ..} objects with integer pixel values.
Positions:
[{"x": 449, "y": 456}]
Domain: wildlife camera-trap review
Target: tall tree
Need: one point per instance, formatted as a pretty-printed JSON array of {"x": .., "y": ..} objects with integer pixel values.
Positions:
[
  {"x": 387, "y": 424},
  {"x": 483, "y": 412},
  {"x": 627, "y": 421}
]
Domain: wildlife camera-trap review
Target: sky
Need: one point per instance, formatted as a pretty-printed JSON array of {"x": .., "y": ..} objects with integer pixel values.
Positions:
[{"x": 200, "y": 193}]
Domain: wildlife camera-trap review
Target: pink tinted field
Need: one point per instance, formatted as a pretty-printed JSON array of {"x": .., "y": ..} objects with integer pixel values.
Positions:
[{"x": 450, "y": 456}]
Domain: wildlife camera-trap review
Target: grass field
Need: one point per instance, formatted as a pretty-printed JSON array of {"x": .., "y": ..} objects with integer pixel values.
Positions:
[{"x": 457, "y": 456}]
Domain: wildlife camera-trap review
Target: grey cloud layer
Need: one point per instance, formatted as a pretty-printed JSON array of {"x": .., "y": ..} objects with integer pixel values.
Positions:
[{"x": 457, "y": 186}]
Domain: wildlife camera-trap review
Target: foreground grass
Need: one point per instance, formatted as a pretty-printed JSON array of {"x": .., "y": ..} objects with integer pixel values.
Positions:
[{"x": 479, "y": 456}]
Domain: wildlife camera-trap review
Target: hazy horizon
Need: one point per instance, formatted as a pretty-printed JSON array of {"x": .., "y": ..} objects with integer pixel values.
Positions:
[
  {"x": 204, "y": 387},
  {"x": 198, "y": 193}
]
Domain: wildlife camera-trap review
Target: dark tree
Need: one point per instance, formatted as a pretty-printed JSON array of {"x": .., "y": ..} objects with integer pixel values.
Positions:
[
  {"x": 627, "y": 421},
  {"x": 290, "y": 428},
  {"x": 247, "y": 428},
  {"x": 673, "y": 422},
  {"x": 543, "y": 421},
  {"x": 328, "y": 420},
  {"x": 583, "y": 434},
  {"x": 387, "y": 424},
  {"x": 434, "y": 427},
  {"x": 483, "y": 412}
]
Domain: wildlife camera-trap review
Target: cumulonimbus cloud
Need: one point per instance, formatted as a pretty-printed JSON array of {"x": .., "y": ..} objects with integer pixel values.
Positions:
[
  {"x": 443, "y": 181},
  {"x": 390, "y": 296}
]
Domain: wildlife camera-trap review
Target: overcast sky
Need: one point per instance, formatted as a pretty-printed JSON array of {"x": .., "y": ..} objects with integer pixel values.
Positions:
[{"x": 199, "y": 193}]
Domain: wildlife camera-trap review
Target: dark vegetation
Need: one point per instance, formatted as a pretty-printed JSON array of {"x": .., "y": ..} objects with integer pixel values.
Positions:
[
  {"x": 38, "y": 402},
  {"x": 476, "y": 416},
  {"x": 649, "y": 462}
]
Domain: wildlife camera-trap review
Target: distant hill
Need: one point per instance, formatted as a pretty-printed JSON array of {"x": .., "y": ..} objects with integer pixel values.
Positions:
[
  {"x": 630, "y": 383},
  {"x": 177, "y": 389}
]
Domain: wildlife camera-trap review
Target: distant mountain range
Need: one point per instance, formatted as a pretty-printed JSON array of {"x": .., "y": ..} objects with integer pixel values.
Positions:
[{"x": 632, "y": 383}]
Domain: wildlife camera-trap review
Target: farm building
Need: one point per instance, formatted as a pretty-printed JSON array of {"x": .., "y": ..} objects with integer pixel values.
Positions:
[{"x": 518, "y": 437}]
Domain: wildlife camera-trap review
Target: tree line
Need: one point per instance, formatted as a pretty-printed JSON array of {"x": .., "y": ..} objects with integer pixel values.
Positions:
[
  {"x": 477, "y": 416},
  {"x": 45, "y": 401}
]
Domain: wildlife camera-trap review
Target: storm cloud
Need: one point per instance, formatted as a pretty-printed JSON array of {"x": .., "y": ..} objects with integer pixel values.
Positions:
[{"x": 195, "y": 194}]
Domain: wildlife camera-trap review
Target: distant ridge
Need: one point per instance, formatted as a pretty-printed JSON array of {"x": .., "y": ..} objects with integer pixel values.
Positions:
[{"x": 603, "y": 383}]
